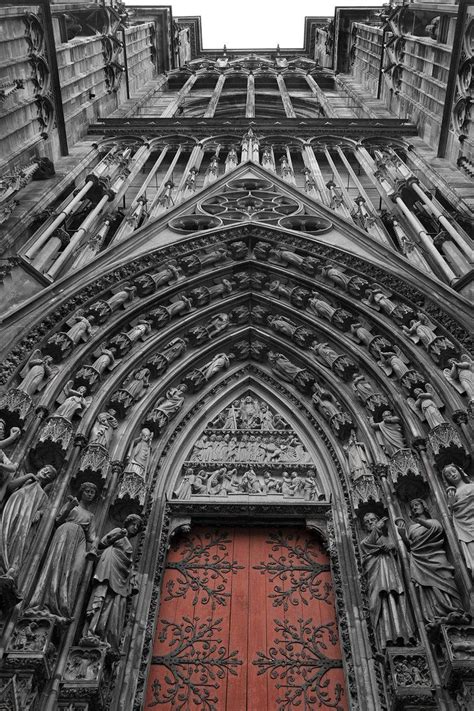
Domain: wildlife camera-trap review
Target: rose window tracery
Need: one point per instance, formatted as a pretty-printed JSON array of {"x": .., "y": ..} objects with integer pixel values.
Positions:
[{"x": 250, "y": 200}]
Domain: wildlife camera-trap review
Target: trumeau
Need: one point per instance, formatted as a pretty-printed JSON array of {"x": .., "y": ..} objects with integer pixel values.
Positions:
[{"x": 235, "y": 317}]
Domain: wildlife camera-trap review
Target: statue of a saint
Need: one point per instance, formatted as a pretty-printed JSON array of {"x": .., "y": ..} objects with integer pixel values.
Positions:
[
  {"x": 36, "y": 373},
  {"x": 430, "y": 569},
  {"x": 27, "y": 500},
  {"x": 103, "y": 427},
  {"x": 62, "y": 573},
  {"x": 390, "y": 433},
  {"x": 386, "y": 592},
  {"x": 112, "y": 583},
  {"x": 461, "y": 502},
  {"x": 357, "y": 457},
  {"x": 74, "y": 403},
  {"x": 461, "y": 375}
]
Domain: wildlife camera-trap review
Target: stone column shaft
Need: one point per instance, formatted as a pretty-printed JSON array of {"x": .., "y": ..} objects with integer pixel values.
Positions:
[
  {"x": 250, "y": 105},
  {"x": 170, "y": 110},
  {"x": 285, "y": 97},
  {"x": 214, "y": 100}
]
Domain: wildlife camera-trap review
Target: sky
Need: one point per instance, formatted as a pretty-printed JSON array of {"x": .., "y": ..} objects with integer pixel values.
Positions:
[{"x": 254, "y": 23}]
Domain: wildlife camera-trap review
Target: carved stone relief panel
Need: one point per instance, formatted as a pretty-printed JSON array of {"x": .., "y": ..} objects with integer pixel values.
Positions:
[{"x": 249, "y": 449}]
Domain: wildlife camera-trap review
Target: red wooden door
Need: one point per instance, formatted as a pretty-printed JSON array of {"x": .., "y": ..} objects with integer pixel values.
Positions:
[{"x": 246, "y": 623}]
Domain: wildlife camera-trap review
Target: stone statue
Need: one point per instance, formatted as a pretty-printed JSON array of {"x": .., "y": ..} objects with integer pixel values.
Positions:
[
  {"x": 7, "y": 469},
  {"x": 357, "y": 458},
  {"x": 362, "y": 388},
  {"x": 282, "y": 325},
  {"x": 392, "y": 361},
  {"x": 361, "y": 334},
  {"x": 112, "y": 583},
  {"x": 461, "y": 375},
  {"x": 27, "y": 500},
  {"x": 186, "y": 482},
  {"x": 461, "y": 503},
  {"x": 386, "y": 592},
  {"x": 62, "y": 572},
  {"x": 139, "y": 455},
  {"x": 339, "y": 278},
  {"x": 120, "y": 298},
  {"x": 426, "y": 405},
  {"x": 137, "y": 382},
  {"x": 166, "y": 408},
  {"x": 74, "y": 403},
  {"x": 283, "y": 367},
  {"x": 103, "y": 427},
  {"x": 81, "y": 329},
  {"x": 232, "y": 159},
  {"x": 380, "y": 301},
  {"x": 325, "y": 352},
  {"x": 390, "y": 433},
  {"x": 221, "y": 361},
  {"x": 420, "y": 330},
  {"x": 325, "y": 403},
  {"x": 36, "y": 373},
  {"x": 15, "y": 433},
  {"x": 430, "y": 569},
  {"x": 105, "y": 361},
  {"x": 321, "y": 307}
]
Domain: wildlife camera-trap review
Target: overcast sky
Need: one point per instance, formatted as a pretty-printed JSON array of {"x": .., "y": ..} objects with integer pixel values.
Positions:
[{"x": 254, "y": 23}]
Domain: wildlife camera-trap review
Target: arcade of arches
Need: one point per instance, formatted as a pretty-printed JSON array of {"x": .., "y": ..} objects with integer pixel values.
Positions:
[{"x": 235, "y": 414}]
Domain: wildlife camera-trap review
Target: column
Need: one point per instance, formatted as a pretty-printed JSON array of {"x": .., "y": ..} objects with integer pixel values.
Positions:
[
  {"x": 376, "y": 228},
  {"x": 285, "y": 97},
  {"x": 156, "y": 205},
  {"x": 321, "y": 97},
  {"x": 182, "y": 93},
  {"x": 312, "y": 163},
  {"x": 216, "y": 94},
  {"x": 250, "y": 105}
]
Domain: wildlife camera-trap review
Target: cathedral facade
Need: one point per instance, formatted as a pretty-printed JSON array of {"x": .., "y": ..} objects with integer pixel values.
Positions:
[{"x": 236, "y": 385}]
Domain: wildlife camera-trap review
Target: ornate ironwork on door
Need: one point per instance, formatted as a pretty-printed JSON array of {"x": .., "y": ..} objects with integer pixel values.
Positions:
[{"x": 247, "y": 621}]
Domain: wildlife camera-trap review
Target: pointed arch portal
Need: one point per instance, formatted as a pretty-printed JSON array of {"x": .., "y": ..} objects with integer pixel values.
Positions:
[{"x": 252, "y": 374}]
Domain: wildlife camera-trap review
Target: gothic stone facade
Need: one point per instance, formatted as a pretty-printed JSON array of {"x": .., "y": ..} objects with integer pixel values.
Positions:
[{"x": 236, "y": 383}]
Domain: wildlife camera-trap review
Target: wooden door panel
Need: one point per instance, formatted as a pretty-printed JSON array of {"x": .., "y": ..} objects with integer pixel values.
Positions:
[{"x": 246, "y": 622}]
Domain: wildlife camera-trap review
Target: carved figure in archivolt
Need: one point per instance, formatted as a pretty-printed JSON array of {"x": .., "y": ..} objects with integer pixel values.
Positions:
[
  {"x": 15, "y": 433},
  {"x": 430, "y": 569},
  {"x": 421, "y": 329},
  {"x": 112, "y": 583},
  {"x": 427, "y": 406},
  {"x": 139, "y": 458},
  {"x": 379, "y": 300},
  {"x": 461, "y": 503},
  {"x": 389, "y": 433},
  {"x": 221, "y": 361},
  {"x": 394, "y": 361},
  {"x": 283, "y": 367},
  {"x": 103, "y": 428},
  {"x": 167, "y": 407},
  {"x": 62, "y": 572},
  {"x": 74, "y": 403},
  {"x": 357, "y": 458},
  {"x": 36, "y": 373},
  {"x": 81, "y": 328},
  {"x": 27, "y": 501},
  {"x": 105, "y": 361},
  {"x": 361, "y": 334},
  {"x": 387, "y": 598},
  {"x": 461, "y": 375}
]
